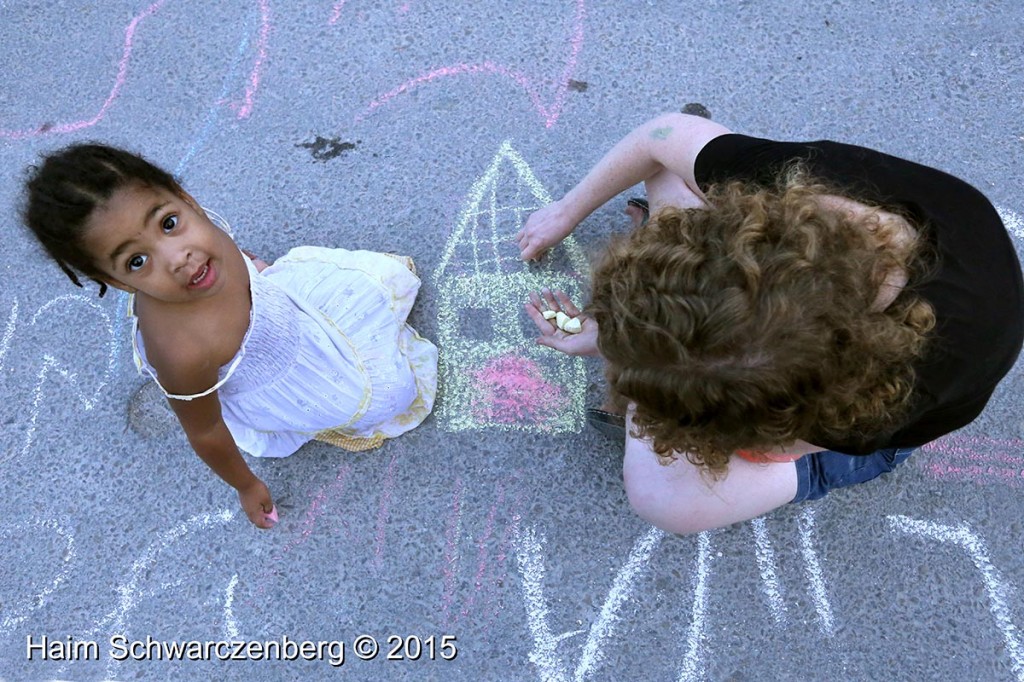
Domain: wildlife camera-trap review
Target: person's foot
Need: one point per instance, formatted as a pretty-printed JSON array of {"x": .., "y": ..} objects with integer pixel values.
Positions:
[
  {"x": 638, "y": 211},
  {"x": 609, "y": 424}
]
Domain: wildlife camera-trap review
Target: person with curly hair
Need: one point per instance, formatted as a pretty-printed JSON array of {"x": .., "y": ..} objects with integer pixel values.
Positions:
[{"x": 788, "y": 318}]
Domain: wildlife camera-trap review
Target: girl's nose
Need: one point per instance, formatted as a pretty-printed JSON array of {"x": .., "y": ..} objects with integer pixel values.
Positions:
[{"x": 180, "y": 259}]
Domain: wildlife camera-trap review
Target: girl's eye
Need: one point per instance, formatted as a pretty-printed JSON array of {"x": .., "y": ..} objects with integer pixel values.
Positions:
[
  {"x": 136, "y": 262},
  {"x": 170, "y": 222}
]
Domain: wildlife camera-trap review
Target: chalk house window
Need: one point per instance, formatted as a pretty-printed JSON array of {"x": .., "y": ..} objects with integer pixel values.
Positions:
[{"x": 476, "y": 323}]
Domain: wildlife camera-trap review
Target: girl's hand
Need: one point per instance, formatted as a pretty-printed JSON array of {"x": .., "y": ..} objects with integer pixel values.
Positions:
[
  {"x": 256, "y": 502},
  {"x": 544, "y": 228},
  {"x": 583, "y": 343}
]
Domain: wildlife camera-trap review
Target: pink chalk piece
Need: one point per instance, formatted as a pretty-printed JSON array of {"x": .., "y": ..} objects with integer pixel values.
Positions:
[
  {"x": 513, "y": 389},
  {"x": 272, "y": 515}
]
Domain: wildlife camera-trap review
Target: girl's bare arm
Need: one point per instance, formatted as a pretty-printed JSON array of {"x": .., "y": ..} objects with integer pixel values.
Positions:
[{"x": 208, "y": 434}]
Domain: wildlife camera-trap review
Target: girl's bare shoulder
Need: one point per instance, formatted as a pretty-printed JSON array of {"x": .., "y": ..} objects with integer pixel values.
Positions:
[{"x": 186, "y": 346}]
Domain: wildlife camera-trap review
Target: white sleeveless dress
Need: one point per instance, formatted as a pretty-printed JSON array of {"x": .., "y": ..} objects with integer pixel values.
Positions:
[{"x": 327, "y": 355}]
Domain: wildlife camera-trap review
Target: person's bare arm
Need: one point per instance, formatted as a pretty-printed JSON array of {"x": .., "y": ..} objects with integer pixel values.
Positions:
[{"x": 669, "y": 142}]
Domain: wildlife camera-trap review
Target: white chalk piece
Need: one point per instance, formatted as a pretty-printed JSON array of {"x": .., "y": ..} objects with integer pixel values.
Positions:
[
  {"x": 560, "y": 319},
  {"x": 549, "y": 314},
  {"x": 573, "y": 326}
]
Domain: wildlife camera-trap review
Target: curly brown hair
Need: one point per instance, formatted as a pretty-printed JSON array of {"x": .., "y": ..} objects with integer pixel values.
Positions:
[{"x": 751, "y": 323}]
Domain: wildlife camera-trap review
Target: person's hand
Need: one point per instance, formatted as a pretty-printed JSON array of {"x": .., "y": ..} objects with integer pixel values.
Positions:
[
  {"x": 256, "y": 503},
  {"x": 544, "y": 228},
  {"x": 583, "y": 343},
  {"x": 260, "y": 264}
]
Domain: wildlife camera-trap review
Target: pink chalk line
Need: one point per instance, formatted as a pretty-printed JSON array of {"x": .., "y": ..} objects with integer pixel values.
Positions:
[
  {"x": 481, "y": 569},
  {"x": 511, "y": 531},
  {"x": 333, "y": 490},
  {"x": 488, "y": 573},
  {"x": 122, "y": 73},
  {"x": 451, "y": 549},
  {"x": 245, "y": 109},
  {"x": 976, "y": 459},
  {"x": 550, "y": 113},
  {"x": 384, "y": 512},
  {"x": 336, "y": 12}
]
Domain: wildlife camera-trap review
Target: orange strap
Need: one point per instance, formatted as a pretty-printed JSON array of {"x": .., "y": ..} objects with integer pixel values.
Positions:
[{"x": 764, "y": 457}]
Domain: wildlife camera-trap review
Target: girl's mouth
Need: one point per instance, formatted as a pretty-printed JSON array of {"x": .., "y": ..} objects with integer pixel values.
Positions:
[{"x": 203, "y": 278}]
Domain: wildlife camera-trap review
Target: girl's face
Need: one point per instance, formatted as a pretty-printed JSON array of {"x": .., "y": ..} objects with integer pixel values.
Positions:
[{"x": 159, "y": 243}]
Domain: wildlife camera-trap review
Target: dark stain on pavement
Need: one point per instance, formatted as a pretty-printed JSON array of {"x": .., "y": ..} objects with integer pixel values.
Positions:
[{"x": 325, "y": 149}]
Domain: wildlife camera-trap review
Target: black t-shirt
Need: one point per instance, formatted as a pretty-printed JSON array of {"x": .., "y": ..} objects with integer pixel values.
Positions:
[{"x": 975, "y": 287}]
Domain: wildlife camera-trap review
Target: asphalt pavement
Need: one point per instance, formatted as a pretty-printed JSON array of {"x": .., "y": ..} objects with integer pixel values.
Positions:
[{"x": 495, "y": 541}]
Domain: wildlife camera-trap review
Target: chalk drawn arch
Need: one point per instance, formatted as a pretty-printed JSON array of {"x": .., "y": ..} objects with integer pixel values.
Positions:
[
  {"x": 998, "y": 589},
  {"x": 243, "y": 107},
  {"x": 133, "y": 589},
  {"x": 495, "y": 375},
  {"x": 545, "y": 654},
  {"x": 534, "y": 87},
  {"x": 50, "y": 368}
]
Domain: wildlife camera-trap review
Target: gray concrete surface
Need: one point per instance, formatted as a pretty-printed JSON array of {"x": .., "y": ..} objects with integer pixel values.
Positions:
[{"x": 377, "y": 125}]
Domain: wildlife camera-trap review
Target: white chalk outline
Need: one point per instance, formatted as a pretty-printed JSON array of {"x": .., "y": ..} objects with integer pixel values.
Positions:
[
  {"x": 129, "y": 593},
  {"x": 1013, "y": 221},
  {"x": 544, "y": 655},
  {"x": 50, "y": 364},
  {"x": 766, "y": 565},
  {"x": 693, "y": 667},
  {"x": 230, "y": 624},
  {"x": 545, "y": 645},
  {"x": 995, "y": 585},
  {"x": 815, "y": 576},
  {"x": 639, "y": 557},
  {"x": 12, "y": 323}
]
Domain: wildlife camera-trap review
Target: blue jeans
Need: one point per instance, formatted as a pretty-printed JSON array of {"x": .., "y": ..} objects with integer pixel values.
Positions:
[{"x": 820, "y": 472}]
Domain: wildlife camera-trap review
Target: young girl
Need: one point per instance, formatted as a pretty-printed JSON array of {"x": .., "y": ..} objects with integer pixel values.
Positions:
[
  {"x": 251, "y": 357},
  {"x": 795, "y": 317}
]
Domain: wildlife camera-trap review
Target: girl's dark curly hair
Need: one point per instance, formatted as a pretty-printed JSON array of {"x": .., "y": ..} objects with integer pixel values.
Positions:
[
  {"x": 751, "y": 323},
  {"x": 73, "y": 182}
]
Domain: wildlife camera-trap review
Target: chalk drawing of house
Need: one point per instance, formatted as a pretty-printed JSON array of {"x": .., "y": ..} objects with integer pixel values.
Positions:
[{"x": 493, "y": 373}]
